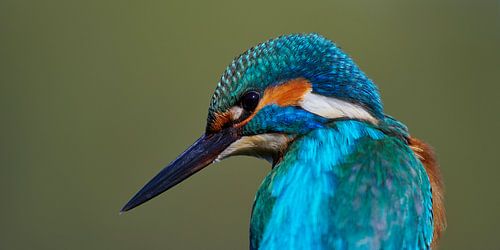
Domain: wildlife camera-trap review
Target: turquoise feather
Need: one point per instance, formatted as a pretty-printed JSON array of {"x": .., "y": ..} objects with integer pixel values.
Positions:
[
  {"x": 311, "y": 56},
  {"x": 346, "y": 186}
]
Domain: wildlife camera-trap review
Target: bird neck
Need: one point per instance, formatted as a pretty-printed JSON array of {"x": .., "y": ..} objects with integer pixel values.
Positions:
[{"x": 305, "y": 177}]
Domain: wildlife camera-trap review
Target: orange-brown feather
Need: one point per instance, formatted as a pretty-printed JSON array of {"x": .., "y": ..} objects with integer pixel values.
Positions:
[
  {"x": 286, "y": 94},
  {"x": 426, "y": 155},
  {"x": 220, "y": 120}
]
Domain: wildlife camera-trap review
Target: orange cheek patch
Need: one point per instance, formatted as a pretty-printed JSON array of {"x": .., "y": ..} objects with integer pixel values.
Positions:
[{"x": 286, "y": 94}]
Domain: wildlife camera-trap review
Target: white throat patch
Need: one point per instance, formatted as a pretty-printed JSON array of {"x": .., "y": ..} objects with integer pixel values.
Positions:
[
  {"x": 332, "y": 108},
  {"x": 265, "y": 146}
]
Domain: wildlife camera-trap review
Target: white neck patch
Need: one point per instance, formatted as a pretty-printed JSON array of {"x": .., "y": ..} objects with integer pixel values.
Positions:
[
  {"x": 332, "y": 108},
  {"x": 264, "y": 146}
]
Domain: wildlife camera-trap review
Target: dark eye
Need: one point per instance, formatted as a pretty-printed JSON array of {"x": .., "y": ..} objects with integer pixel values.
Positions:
[{"x": 250, "y": 100}]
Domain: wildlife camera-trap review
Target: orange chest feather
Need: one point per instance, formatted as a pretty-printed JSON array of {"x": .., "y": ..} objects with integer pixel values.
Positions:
[{"x": 426, "y": 155}]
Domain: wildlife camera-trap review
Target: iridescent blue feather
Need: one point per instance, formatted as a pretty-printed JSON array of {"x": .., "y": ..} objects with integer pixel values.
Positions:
[{"x": 345, "y": 186}]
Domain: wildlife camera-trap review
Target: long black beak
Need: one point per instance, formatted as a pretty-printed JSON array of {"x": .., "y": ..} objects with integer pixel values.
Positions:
[{"x": 203, "y": 152}]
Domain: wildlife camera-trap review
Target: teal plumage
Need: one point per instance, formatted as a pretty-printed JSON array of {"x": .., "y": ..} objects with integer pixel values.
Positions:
[
  {"x": 344, "y": 187},
  {"x": 310, "y": 56},
  {"x": 345, "y": 174}
]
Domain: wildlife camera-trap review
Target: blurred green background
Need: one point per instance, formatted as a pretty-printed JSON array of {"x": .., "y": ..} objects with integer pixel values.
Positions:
[{"x": 97, "y": 96}]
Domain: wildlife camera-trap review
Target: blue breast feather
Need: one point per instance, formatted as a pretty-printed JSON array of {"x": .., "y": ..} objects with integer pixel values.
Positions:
[{"x": 344, "y": 186}]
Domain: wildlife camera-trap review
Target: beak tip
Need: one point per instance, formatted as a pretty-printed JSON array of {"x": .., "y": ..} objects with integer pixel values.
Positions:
[
  {"x": 122, "y": 211},
  {"x": 129, "y": 206},
  {"x": 204, "y": 151}
]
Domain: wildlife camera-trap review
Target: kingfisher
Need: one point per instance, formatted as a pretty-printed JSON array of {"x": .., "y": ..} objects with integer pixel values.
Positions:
[{"x": 344, "y": 174}]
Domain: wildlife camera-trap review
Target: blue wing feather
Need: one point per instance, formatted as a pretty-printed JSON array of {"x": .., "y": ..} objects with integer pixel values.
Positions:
[{"x": 348, "y": 186}]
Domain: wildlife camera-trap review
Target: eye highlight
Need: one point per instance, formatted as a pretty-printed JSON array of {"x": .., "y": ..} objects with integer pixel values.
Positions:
[{"x": 250, "y": 100}]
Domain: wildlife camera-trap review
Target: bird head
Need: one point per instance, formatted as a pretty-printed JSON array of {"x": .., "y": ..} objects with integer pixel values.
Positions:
[{"x": 267, "y": 97}]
